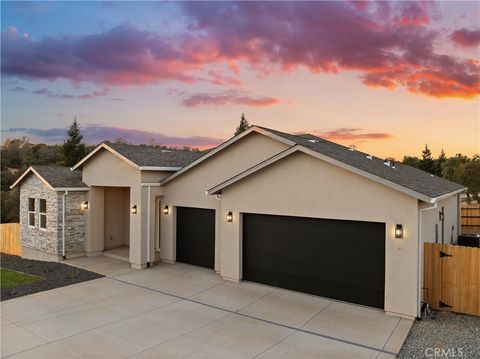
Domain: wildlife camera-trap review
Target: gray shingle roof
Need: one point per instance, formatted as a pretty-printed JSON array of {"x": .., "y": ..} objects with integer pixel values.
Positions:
[
  {"x": 60, "y": 177},
  {"x": 155, "y": 156},
  {"x": 403, "y": 175}
]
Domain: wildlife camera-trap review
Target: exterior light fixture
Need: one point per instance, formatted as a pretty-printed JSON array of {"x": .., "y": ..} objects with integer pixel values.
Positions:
[
  {"x": 133, "y": 210},
  {"x": 166, "y": 210},
  {"x": 229, "y": 217},
  {"x": 399, "y": 231},
  {"x": 85, "y": 205}
]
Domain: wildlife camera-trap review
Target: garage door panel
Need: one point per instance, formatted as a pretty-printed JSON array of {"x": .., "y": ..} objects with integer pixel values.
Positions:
[
  {"x": 196, "y": 236},
  {"x": 318, "y": 270},
  {"x": 337, "y": 259}
]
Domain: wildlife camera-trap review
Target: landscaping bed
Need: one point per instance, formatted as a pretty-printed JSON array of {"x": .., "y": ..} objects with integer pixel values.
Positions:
[
  {"x": 25, "y": 276},
  {"x": 445, "y": 335}
]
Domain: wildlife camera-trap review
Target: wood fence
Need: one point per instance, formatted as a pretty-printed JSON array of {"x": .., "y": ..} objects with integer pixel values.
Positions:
[
  {"x": 452, "y": 278},
  {"x": 470, "y": 219},
  {"x": 10, "y": 239}
]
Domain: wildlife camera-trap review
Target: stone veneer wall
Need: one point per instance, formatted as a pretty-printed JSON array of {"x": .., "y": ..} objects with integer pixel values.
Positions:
[
  {"x": 75, "y": 222},
  {"x": 49, "y": 240}
]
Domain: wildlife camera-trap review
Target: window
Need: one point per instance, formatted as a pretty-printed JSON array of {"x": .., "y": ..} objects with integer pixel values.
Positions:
[
  {"x": 31, "y": 212},
  {"x": 43, "y": 213}
]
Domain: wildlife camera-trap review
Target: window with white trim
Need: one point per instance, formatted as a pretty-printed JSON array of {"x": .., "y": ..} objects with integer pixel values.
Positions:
[
  {"x": 31, "y": 212},
  {"x": 43, "y": 214}
]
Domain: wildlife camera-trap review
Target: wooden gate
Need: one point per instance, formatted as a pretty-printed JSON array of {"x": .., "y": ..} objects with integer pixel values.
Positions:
[{"x": 452, "y": 278}]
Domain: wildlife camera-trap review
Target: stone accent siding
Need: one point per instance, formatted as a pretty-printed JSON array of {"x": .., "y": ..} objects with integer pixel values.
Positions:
[
  {"x": 75, "y": 222},
  {"x": 49, "y": 240}
]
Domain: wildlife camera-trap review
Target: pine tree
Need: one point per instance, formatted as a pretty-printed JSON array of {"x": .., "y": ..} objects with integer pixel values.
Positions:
[
  {"x": 73, "y": 147},
  {"x": 244, "y": 125},
  {"x": 439, "y": 163},
  {"x": 427, "y": 163}
]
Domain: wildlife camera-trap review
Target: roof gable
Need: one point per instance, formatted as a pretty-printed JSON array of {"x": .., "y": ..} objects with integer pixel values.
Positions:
[
  {"x": 403, "y": 178},
  {"x": 56, "y": 178},
  {"x": 146, "y": 158},
  {"x": 224, "y": 145}
]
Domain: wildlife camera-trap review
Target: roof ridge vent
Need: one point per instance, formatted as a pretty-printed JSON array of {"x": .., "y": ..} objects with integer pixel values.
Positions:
[
  {"x": 165, "y": 151},
  {"x": 369, "y": 157}
]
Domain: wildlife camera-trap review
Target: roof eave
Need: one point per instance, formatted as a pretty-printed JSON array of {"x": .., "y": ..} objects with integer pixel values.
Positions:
[
  {"x": 159, "y": 168},
  {"x": 449, "y": 194},
  {"x": 73, "y": 189}
]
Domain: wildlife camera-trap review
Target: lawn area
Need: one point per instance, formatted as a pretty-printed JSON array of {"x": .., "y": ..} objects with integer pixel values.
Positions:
[{"x": 11, "y": 278}]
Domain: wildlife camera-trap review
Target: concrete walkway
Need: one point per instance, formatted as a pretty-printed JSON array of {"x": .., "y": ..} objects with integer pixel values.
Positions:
[{"x": 182, "y": 311}]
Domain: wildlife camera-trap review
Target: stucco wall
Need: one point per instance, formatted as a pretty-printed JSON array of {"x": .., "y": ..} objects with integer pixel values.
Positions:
[
  {"x": 116, "y": 216},
  {"x": 301, "y": 185},
  {"x": 189, "y": 188},
  {"x": 49, "y": 240},
  {"x": 105, "y": 170}
]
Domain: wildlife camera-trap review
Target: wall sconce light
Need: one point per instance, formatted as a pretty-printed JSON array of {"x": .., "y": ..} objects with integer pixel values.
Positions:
[
  {"x": 229, "y": 217},
  {"x": 133, "y": 210},
  {"x": 399, "y": 231},
  {"x": 85, "y": 205},
  {"x": 166, "y": 210}
]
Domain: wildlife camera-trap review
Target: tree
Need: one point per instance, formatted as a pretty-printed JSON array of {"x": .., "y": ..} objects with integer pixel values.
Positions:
[
  {"x": 439, "y": 163},
  {"x": 73, "y": 148},
  {"x": 451, "y": 165},
  {"x": 244, "y": 125},
  {"x": 468, "y": 174},
  {"x": 411, "y": 161},
  {"x": 427, "y": 163}
]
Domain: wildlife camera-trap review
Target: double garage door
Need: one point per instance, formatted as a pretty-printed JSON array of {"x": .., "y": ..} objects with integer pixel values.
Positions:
[{"x": 336, "y": 259}]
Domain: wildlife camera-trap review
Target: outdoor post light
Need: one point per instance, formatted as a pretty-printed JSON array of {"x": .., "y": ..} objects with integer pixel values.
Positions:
[
  {"x": 229, "y": 217},
  {"x": 134, "y": 209},
  {"x": 85, "y": 205},
  {"x": 166, "y": 210},
  {"x": 399, "y": 231}
]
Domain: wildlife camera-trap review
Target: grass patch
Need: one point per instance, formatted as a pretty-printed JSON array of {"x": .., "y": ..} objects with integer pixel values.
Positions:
[{"x": 11, "y": 278}]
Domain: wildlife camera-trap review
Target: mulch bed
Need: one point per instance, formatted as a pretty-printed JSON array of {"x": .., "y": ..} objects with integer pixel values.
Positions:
[
  {"x": 452, "y": 335},
  {"x": 56, "y": 275}
]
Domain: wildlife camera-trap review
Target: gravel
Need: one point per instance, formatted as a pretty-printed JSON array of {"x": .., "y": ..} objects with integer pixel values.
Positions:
[
  {"x": 458, "y": 335},
  {"x": 56, "y": 275}
]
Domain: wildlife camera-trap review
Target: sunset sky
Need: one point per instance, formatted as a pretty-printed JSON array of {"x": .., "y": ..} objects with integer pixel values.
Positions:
[{"x": 387, "y": 77}]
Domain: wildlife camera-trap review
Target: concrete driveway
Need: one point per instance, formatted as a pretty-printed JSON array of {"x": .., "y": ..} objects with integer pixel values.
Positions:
[{"x": 179, "y": 311}]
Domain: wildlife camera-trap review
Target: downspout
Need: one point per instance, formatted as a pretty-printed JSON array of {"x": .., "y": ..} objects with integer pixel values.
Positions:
[
  {"x": 63, "y": 224},
  {"x": 148, "y": 225},
  {"x": 149, "y": 201},
  {"x": 420, "y": 257}
]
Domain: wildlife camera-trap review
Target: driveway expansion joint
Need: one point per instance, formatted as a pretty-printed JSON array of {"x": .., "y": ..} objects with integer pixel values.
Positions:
[{"x": 295, "y": 329}]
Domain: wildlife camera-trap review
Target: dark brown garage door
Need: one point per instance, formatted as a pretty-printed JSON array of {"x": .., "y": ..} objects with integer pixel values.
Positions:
[
  {"x": 196, "y": 236},
  {"x": 336, "y": 259}
]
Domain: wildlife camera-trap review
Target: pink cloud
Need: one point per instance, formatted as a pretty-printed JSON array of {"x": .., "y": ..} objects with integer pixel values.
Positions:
[
  {"x": 355, "y": 134},
  {"x": 229, "y": 97},
  {"x": 466, "y": 38},
  {"x": 389, "y": 44}
]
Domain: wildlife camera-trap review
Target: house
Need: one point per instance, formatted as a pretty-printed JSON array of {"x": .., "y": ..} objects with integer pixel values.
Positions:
[{"x": 293, "y": 211}]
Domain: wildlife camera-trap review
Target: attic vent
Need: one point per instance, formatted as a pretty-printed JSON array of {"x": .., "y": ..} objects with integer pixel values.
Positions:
[
  {"x": 352, "y": 148},
  {"x": 166, "y": 151},
  {"x": 432, "y": 176},
  {"x": 386, "y": 163},
  {"x": 369, "y": 157},
  {"x": 313, "y": 141}
]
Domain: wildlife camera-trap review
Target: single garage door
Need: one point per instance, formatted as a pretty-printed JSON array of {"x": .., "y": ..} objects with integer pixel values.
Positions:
[
  {"x": 196, "y": 236},
  {"x": 336, "y": 259}
]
